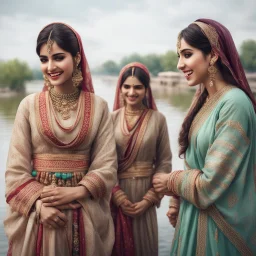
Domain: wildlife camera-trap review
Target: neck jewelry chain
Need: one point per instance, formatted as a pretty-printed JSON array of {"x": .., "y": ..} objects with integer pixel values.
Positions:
[
  {"x": 64, "y": 103},
  {"x": 132, "y": 117}
]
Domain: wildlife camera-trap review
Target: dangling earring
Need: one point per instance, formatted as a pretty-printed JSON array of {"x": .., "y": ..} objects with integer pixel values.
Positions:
[
  {"x": 122, "y": 100},
  {"x": 212, "y": 72},
  {"x": 77, "y": 77},
  {"x": 47, "y": 83}
]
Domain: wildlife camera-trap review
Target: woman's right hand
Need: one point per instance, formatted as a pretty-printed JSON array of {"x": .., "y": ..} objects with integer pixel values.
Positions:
[
  {"x": 127, "y": 207},
  {"x": 51, "y": 217},
  {"x": 172, "y": 215}
]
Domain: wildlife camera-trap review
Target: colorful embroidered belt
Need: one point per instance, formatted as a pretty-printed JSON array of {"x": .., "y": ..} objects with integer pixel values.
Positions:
[
  {"x": 57, "y": 168},
  {"x": 60, "y": 162},
  {"x": 137, "y": 170}
]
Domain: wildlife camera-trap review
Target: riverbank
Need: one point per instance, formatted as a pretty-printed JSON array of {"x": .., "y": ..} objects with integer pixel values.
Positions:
[{"x": 165, "y": 81}]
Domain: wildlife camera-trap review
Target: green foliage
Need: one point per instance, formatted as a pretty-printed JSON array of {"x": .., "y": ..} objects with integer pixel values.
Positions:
[
  {"x": 14, "y": 73},
  {"x": 169, "y": 61},
  {"x": 154, "y": 62},
  {"x": 248, "y": 55},
  {"x": 132, "y": 58},
  {"x": 110, "y": 67}
]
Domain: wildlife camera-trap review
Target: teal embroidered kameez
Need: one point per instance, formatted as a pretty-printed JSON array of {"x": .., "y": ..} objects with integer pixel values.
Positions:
[{"x": 218, "y": 188}]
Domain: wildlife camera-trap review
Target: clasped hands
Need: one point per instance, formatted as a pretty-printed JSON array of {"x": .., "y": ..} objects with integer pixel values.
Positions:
[
  {"x": 55, "y": 199},
  {"x": 135, "y": 209}
]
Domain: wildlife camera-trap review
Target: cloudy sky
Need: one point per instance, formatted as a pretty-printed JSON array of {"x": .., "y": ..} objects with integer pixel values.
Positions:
[{"x": 112, "y": 29}]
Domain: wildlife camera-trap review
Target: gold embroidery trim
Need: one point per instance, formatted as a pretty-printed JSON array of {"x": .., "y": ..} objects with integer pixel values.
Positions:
[
  {"x": 255, "y": 178},
  {"x": 205, "y": 111},
  {"x": 179, "y": 246},
  {"x": 216, "y": 235},
  {"x": 24, "y": 200},
  {"x": 201, "y": 233},
  {"x": 174, "y": 202},
  {"x": 186, "y": 165},
  {"x": 119, "y": 197},
  {"x": 210, "y": 32},
  {"x": 229, "y": 146},
  {"x": 232, "y": 200},
  {"x": 219, "y": 155},
  {"x": 233, "y": 236},
  {"x": 95, "y": 184},
  {"x": 182, "y": 183},
  {"x": 237, "y": 126},
  {"x": 137, "y": 170},
  {"x": 61, "y": 157},
  {"x": 60, "y": 162}
]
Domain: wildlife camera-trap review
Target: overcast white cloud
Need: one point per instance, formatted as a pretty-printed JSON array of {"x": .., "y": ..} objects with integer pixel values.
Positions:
[{"x": 113, "y": 29}]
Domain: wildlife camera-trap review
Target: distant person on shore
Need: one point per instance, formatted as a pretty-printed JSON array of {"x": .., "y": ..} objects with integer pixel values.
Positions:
[
  {"x": 143, "y": 150},
  {"x": 62, "y": 159},
  {"x": 217, "y": 189}
]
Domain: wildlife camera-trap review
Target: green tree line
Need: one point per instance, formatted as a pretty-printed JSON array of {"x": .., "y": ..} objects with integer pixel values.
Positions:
[
  {"x": 168, "y": 61},
  {"x": 154, "y": 62}
]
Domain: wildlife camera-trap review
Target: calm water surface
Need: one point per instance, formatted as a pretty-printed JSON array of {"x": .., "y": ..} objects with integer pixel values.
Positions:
[{"x": 172, "y": 105}]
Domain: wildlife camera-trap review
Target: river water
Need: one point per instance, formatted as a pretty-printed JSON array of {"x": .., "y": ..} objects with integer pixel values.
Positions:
[{"x": 172, "y": 104}]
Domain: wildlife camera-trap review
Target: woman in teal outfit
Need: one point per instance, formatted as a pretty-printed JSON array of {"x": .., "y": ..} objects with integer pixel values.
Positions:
[{"x": 217, "y": 189}]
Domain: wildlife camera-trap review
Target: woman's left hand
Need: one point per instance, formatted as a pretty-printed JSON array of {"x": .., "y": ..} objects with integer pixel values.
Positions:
[
  {"x": 140, "y": 207},
  {"x": 160, "y": 182},
  {"x": 55, "y": 196}
]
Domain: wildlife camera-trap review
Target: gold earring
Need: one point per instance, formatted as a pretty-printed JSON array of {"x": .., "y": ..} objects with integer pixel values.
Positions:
[
  {"x": 77, "y": 77},
  {"x": 122, "y": 100},
  {"x": 212, "y": 72},
  {"x": 47, "y": 82}
]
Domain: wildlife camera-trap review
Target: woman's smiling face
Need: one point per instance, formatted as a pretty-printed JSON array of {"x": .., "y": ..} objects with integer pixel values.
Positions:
[
  {"x": 58, "y": 66},
  {"x": 193, "y": 63},
  {"x": 133, "y": 91}
]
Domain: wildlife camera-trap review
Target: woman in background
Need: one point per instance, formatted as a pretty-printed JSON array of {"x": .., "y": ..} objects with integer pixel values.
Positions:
[
  {"x": 62, "y": 160},
  {"x": 143, "y": 150}
]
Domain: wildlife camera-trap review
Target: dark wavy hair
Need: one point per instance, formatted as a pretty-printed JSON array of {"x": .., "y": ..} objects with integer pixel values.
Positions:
[
  {"x": 62, "y": 35},
  {"x": 196, "y": 38}
]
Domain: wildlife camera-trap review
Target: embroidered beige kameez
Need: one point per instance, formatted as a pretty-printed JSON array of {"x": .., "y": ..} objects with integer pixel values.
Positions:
[
  {"x": 93, "y": 163},
  {"x": 154, "y": 155}
]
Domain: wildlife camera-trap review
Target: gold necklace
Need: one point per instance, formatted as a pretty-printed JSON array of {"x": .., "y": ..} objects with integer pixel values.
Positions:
[
  {"x": 132, "y": 117},
  {"x": 64, "y": 103}
]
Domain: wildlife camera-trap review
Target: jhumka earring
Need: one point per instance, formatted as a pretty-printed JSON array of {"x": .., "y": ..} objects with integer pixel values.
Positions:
[
  {"x": 77, "y": 77},
  {"x": 47, "y": 83},
  {"x": 212, "y": 72},
  {"x": 49, "y": 43}
]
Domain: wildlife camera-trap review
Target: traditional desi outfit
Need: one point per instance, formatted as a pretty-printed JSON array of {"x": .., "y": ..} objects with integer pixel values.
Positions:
[
  {"x": 218, "y": 186},
  {"x": 142, "y": 152},
  {"x": 46, "y": 150}
]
